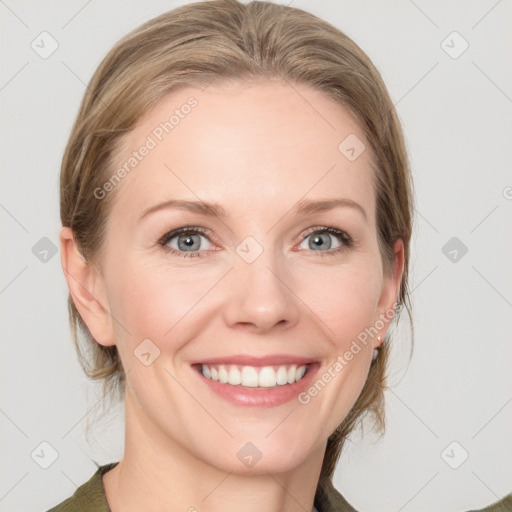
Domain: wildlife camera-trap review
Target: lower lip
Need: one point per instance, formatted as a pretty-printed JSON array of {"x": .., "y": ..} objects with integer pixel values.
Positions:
[{"x": 254, "y": 397}]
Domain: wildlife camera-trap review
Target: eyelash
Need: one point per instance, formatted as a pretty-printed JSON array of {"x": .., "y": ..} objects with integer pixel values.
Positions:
[
  {"x": 181, "y": 231},
  {"x": 345, "y": 239}
]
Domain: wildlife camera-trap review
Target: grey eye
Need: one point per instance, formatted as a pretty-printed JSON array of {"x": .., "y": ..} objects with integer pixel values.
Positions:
[
  {"x": 189, "y": 242},
  {"x": 320, "y": 240}
]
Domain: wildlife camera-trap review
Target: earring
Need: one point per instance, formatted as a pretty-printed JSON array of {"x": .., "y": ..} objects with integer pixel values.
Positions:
[{"x": 375, "y": 354}]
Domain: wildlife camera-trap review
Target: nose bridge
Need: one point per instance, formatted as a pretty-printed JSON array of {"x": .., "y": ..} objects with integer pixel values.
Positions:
[{"x": 259, "y": 295}]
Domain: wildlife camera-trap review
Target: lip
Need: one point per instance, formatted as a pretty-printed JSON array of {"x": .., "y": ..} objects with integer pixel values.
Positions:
[
  {"x": 258, "y": 397},
  {"x": 245, "y": 360}
]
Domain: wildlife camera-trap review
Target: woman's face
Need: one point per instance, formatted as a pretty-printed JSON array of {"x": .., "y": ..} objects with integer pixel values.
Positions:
[{"x": 246, "y": 229}]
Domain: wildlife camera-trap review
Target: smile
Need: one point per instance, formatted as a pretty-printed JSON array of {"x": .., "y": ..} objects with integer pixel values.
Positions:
[
  {"x": 257, "y": 381},
  {"x": 254, "y": 376}
]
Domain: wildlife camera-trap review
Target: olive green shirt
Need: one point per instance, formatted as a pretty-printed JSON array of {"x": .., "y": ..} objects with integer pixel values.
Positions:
[{"x": 90, "y": 497}]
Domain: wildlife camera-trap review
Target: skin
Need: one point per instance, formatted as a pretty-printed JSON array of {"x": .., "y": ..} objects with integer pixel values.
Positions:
[{"x": 256, "y": 149}]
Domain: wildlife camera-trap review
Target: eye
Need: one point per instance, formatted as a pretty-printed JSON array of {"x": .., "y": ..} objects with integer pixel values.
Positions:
[
  {"x": 326, "y": 240},
  {"x": 192, "y": 241},
  {"x": 186, "y": 240}
]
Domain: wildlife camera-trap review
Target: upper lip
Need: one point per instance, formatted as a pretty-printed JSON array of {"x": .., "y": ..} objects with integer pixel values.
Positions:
[{"x": 245, "y": 360}]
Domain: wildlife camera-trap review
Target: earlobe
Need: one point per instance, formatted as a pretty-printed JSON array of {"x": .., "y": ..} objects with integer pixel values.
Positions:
[
  {"x": 87, "y": 289},
  {"x": 391, "y": 289}
]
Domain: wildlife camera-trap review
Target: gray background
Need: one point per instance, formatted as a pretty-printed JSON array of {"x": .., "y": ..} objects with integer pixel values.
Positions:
[{"x": 456, "y": 114}]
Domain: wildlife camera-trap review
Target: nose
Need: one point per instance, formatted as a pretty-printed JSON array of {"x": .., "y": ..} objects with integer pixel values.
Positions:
[{"x": 261, "y": 296}]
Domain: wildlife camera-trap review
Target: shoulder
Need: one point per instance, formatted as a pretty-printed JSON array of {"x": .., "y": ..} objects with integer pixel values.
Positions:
[
  {"x": 328, "y": 499},
  {"x": 89, "y": 497},
  {"x": 503, "y": 505}
]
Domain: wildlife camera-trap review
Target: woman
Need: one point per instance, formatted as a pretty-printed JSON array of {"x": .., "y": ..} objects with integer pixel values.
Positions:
[{"x": 236, "y": 206}]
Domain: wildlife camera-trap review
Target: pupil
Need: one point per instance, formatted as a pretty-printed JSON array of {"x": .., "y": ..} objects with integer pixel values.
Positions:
[
  {"x": 188, "y": 242},
  {"x": 319, "y": 241}
]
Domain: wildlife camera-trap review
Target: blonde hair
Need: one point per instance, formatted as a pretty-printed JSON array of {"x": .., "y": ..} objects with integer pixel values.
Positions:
[{"x": 223, "y": 40}]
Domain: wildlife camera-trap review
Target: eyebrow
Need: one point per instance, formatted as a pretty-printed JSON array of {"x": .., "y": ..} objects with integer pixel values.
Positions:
[
  {"x": 216, "y": 210},
  {"x": 307, "y": 206},
  {"x": 201, "y": 207}
]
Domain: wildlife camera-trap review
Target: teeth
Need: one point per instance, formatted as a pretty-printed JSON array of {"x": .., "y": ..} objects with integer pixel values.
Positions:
[
  {"x": 282, "y": 376},
  {"x": 300, "y": 373},
  {"x": 291, "y": 374},
  {"x": 223, "y": 375},
  {"x": 234, "y": 376},
  {"x": 267, "y": 377},
  {"x": 251, "y": 376},
  {"x": 206, "y": 371}
]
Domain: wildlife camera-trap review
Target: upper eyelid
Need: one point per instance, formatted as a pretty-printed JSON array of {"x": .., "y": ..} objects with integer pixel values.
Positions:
[
  {"x": 329, "y": 229},
  {"x": 169, "y": 235}
]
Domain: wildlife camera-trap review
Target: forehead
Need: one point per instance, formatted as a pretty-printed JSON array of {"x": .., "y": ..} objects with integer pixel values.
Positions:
[{"x": 268, "y": 141}]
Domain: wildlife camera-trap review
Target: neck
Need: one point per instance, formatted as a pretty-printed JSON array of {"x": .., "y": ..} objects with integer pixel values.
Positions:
[{"x": 158, "y": 473}]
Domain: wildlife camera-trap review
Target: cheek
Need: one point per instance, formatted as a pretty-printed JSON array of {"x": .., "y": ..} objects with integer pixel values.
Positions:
[
  {"x": 345, "y": 301},
  {"x": 345, "y": 298},
  {"x": 150, "y": 299}
]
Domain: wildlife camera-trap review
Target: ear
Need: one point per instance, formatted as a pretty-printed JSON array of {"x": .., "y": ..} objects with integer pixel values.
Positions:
[
  {"x": 87, "y": 289},
  {"x": 390, "y": 290}
]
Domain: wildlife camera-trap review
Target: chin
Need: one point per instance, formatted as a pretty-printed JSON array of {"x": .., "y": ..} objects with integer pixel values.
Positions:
[{"x": 256, "y": 455}]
